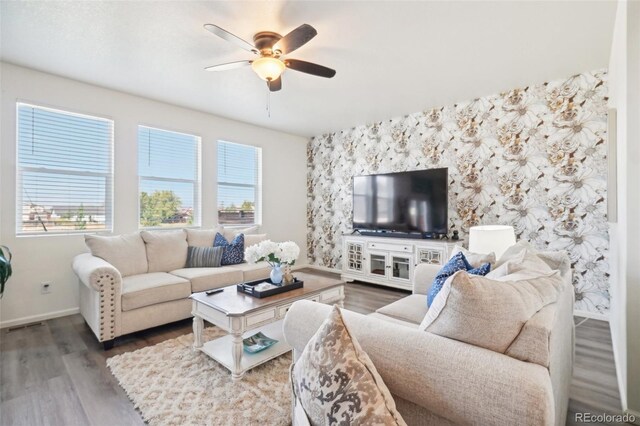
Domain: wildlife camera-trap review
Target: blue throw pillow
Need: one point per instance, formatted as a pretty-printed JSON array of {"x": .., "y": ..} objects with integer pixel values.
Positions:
[
  {"x": 457, "y": 263},
  {"x": 233, "y": 252},
  {"x": 481, "y": 270}
]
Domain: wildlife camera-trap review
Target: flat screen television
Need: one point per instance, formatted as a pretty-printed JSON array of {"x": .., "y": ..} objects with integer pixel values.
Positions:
[{"x": 406, "y": 202}]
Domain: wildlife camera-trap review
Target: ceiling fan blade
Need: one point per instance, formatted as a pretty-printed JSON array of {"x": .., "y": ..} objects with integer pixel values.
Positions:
[
  {"x": 295, "y": 39},
  {"x": 275, "y": 85},
  {"x": 309, "y": 68},
  {"x": 243, "y": 44},
  {"x": 228, "y": 66}
]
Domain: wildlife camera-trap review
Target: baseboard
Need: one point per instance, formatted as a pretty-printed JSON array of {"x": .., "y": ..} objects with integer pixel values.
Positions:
[
  {"x": 324, "y": 268},
  {"x": 591, "y": 315},
  {"x": 635, "y": 414},
  {"x": 41, "y": 317}
]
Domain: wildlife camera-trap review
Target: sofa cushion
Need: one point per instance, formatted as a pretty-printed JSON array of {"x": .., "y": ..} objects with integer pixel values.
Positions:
[
  {"x": 204, "y": 257},
  {"x": 475, "y": 259},
  {"x": 253, "y": 271},
  {"x": 411, "y": 308},
  {"x": 488, "y": 313},
  {"x": 202, "y": 237},
  {"x": 334, "y": 380},
  {"x": 166, "y": 250},
  {"x": 230, "y": 233},
  {"x": 154, "y": 287},
  {"x": 533, "y": 342},
  {"x": 233, "y": 251},
  {"x": 253, "y": 239},
  {"x": 393, "y": 320},
  {"x": 125, "y": 252},
  {"x": 203, "y": 279}
]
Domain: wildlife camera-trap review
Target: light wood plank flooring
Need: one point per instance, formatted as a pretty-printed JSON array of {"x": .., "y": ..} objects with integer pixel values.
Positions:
[{"x": 55, "y": 373}]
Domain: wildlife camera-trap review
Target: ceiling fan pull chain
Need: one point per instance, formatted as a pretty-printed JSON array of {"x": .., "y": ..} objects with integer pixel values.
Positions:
[{"x": 269, "y": 99}]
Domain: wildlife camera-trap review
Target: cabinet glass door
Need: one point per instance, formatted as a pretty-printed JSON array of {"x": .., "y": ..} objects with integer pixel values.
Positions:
[
  {"x": 400, "y": 267},
  {"x": 378, "y": 264}
]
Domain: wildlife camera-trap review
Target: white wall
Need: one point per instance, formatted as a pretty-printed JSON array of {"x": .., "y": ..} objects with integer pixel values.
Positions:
[
  {"x": 617, "y": 236},
  {"x": 624, "y": 71},
  {"x": 48, "y": 258}
]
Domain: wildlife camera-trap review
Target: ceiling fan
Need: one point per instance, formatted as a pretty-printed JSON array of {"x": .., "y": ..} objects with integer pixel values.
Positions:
[{"x": 271, "y": 47}]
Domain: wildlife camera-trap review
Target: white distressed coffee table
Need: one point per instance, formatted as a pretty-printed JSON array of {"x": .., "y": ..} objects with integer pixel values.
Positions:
[{"x": 242, "y": 316}]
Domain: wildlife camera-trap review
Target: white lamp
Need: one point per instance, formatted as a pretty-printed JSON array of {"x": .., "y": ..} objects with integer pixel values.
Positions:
[
  {"x": 268, "y": 68},
  {"x": 491, "y": 238}
]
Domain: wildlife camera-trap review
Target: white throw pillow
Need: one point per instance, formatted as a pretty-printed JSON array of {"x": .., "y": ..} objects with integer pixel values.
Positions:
[
  {"x": 524, "y": 265},
  {"x": 488, "y": 313},
  {"x": 475, "y": 259},
  {"x": 125, "y": 252},
  {"x": 166, "y": 250}
]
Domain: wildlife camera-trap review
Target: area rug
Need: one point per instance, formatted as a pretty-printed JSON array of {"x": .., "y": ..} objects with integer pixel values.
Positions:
[{"x": 171, "y": 384}]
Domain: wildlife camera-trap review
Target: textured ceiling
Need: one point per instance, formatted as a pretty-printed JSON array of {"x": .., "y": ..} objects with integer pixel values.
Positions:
[{"x": 392, "y": 58}]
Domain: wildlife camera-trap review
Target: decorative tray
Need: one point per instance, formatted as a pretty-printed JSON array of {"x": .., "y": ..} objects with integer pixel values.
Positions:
[
  {"x": 258, "y": 342},
  {"x": 251, "y": 289}
]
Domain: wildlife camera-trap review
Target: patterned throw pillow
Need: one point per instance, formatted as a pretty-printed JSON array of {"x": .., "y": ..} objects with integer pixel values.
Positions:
[
  {"x": 233, "y": 252},
  {"x": 204, "y": 257},
  {"x": 457, "y": 263},
  {"x": 335, "y": 382}
]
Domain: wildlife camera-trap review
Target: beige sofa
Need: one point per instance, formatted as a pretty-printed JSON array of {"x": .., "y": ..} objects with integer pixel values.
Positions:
[
  {"x": 140, "y": 280},
  {"x": 440, "y": 381}
]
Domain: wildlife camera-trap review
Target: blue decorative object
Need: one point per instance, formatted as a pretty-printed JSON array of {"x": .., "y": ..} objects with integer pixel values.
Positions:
[
  {"x": 276, "y": 274},
  {"x": 457, "y": 263},
  {"x": 481, "y": 270},
  {"x": 233, "y": 253}
]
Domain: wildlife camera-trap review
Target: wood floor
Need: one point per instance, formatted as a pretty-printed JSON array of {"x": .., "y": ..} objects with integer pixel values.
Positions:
[{"x": 55, "y": 373}]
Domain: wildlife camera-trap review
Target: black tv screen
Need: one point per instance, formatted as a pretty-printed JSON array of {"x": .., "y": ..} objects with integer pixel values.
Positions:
[{"x": 402, "y": 202}]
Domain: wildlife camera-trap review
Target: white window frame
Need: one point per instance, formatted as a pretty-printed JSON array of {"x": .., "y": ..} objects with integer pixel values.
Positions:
[
  {"x": 257, "y": 215},
  {"x": 109, "y": 177},
  {"x": 197, "y": 183}
]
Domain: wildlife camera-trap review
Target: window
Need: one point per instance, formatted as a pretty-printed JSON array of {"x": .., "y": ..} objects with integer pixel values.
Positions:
[
  {"x": 168, "y": 170},
  {"x": 239, "y": 179},
  {"x": 64, "y": 181}
]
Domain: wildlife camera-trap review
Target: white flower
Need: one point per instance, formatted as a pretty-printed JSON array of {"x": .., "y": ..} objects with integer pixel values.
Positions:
[
  {"x": 251, "y": 253},
  {"x": 288, "y": 252},
  {"x": 272, "y": 252}
]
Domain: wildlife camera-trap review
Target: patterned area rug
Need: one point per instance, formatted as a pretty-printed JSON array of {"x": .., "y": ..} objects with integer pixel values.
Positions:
[{"x": 171, "y": 384}]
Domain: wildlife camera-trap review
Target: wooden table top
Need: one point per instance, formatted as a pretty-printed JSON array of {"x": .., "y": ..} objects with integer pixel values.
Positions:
[{"x": 234, "y": 303}]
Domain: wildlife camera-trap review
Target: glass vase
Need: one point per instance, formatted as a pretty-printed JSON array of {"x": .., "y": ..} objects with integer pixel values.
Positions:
[{"x": 276, "y": 274}]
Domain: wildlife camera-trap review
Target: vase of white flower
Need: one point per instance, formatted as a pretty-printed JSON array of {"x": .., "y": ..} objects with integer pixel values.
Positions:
[
  {"x": 276, "y": 273},
  {"x": 275, "y": 254}
]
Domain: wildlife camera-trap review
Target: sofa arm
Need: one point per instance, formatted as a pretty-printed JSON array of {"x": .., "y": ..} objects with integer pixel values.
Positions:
[
  {"x": 95, "y": 272},
  {"x": 100, "y": 295},
  {"x": 423, "y": 276},
  {"x": 460, "y": 382}
]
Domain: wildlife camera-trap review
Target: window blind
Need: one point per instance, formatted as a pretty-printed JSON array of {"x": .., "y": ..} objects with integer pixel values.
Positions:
[
  {"x": 65, "y": 172},
  {"x": 239, "y": 178},
  {"x": 169, "y": 178}
]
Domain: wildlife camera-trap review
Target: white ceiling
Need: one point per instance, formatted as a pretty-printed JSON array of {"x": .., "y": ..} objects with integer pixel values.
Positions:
[{"x": 392, "y": 58}]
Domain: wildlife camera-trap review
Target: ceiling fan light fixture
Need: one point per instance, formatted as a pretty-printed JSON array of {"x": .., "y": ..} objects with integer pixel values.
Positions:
[{"x": 268, "y": 68}]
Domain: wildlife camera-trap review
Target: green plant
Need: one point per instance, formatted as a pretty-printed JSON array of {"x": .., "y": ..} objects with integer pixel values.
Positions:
[{"x": 5, "y": 267}]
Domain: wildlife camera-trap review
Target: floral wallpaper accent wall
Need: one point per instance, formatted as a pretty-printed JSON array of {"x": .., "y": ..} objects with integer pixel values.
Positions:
[{"x": 534, "y": 158}]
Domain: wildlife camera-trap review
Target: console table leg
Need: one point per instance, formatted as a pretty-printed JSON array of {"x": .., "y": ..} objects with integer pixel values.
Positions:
[
  {"x": 236, "y": 351},
  {"x": 198, "y": 326}
]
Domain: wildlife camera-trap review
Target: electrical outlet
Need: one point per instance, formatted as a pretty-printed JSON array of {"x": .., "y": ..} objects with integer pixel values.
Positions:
[{"x": 46, "y": 287}]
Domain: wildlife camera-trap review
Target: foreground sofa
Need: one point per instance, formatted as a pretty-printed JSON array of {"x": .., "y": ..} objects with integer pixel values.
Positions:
[
  {"x": 440, "y": 381},
  {"x": 140, "y": 280}
]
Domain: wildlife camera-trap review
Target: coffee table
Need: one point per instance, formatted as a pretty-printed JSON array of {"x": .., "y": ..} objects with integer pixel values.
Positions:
[{"x": 242, "y": 316}]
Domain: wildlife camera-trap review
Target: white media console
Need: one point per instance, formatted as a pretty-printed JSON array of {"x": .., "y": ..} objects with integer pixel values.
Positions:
[{"x": 390, "y": 261}]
